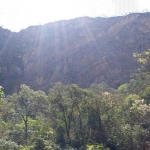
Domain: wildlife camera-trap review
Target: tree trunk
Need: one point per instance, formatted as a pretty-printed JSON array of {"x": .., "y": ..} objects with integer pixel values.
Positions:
[{"x": 26, "y": 131}]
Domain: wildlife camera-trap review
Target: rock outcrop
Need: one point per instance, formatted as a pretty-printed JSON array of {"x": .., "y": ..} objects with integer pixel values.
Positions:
[{"x": 82, "y": 51}]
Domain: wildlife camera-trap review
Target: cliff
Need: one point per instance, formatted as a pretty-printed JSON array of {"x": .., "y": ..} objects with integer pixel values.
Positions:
[{"x": 82, "y": 51}]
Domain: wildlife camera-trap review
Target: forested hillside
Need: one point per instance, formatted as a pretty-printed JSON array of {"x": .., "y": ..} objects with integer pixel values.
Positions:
[
  {"x": 81, "y": 84},
  {"x": 69, "y": 117},
  {"x": 81, "y": 51}
]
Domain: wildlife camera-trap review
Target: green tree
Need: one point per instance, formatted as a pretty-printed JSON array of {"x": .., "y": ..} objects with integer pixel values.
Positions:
[
  {"x": 27, "y": 103},
  {"x": 68, "y": 110},
  {"x": 141, "y": 79},
  {"x": 8, "y": 145},
  {"x": 1, "y": 92}
]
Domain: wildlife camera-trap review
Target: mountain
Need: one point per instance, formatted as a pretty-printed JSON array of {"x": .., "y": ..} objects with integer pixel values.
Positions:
[{"x": 83, "y": 51}]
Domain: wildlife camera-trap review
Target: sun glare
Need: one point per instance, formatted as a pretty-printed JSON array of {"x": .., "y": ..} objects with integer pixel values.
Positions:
[{"x": 18, "y": 14}]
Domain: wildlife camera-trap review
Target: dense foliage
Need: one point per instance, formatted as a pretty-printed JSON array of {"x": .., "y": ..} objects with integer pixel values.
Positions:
[{"x": 69, "y": 117}]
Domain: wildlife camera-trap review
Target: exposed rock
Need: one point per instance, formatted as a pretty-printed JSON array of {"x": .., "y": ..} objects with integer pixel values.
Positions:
[{"x": 82, "y": 51}]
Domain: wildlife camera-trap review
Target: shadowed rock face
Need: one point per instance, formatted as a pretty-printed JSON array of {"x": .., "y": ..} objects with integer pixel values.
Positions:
[{"x": 82, "y": 51}]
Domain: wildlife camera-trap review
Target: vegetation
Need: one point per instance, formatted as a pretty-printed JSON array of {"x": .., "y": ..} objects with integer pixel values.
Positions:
[{"x": 69, "y": 117}]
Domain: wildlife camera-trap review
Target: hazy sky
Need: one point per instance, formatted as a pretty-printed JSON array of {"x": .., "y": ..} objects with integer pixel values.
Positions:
[{"x": 18, "y": 14}]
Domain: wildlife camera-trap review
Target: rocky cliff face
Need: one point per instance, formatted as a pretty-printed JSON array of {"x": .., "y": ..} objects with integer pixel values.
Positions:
[{"x": 82, "y": 51}]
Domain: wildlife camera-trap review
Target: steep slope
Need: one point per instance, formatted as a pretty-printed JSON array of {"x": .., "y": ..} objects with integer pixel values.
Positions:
[
  {"x": 82, "y": 51},
  {"x": 11, "y": 63}
]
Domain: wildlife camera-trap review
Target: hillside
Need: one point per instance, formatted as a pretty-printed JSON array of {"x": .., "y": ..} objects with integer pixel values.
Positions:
[{"x": 82, "y": 51}]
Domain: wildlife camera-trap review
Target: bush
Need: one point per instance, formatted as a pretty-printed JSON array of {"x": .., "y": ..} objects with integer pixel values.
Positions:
[{"x": 8, "y": 145}]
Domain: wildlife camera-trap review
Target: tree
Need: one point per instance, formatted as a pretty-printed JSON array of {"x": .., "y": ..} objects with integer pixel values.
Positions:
[
  {"x": 27, "y": 103},
  {"x": 144, "y": 60},
  {"x": 68, "y": 110},
  {"x": 1, "y": 92},
  {"x": 141, "y": 79},
  {"x": 8, "y": 145}
]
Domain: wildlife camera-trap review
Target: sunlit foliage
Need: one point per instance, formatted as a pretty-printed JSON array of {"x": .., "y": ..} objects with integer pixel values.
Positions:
[{"x": 70, "y": 117}]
